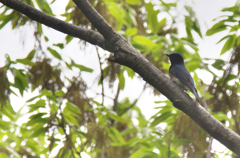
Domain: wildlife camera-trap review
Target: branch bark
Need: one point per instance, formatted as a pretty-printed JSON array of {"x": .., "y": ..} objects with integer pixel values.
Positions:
[
  {"x": 90, "y": 36},
  {"x": 125, "y": 54}
]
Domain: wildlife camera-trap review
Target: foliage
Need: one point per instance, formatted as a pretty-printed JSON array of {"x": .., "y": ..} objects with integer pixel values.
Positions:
[{"x": 63, "y": 118}]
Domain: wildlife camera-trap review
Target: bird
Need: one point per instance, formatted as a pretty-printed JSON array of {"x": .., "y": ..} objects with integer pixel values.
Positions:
[{"x": 180, "y": 75}]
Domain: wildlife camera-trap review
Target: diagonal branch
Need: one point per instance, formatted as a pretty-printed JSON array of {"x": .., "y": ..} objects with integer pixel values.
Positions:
[
  {"x": 90, "y": 36},
  {"x": 125, "y": 54},
  {"x": 96, "y": 19}
]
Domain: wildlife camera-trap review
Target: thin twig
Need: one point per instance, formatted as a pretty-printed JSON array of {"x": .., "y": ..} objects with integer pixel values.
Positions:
[
  {"x": 115, "y": 101},
  {"x": 209, "y": 147}
]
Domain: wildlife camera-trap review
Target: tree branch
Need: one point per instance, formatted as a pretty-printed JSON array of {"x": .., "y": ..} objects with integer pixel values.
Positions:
[
  {"x": 115, "y": 101},
  {"x": 90, "y": 36},
  {"x": 96, "y": 19},
  {"x": 125, "y": 54}
]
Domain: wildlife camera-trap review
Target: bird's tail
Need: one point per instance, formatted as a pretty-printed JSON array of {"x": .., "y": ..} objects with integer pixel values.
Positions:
[{"x": 196, "y": 94}]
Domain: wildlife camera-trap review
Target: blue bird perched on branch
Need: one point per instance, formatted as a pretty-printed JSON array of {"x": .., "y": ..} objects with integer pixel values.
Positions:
[{"x": 180, "y": 75}]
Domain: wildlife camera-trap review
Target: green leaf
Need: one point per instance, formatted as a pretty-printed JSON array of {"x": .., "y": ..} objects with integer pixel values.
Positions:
[
  {"x": 225, "y": 37},
  {"x": 31, "y": 54},
  {"x": 25, "y": 62},
  {"x": 44, "y": 6},
  {"x": 60, "y": 45},
  {"x": 68, "y": 65},
  {"x": 134, "y": 2},
  {"x": 161, "y": 118},
  {"x": 207, "y": 95},
  {"x": 196, "y": 27},
  {"x": 4, "y": 124},
  {"x": 231, "y": 77},
  {"x": 238, "y": 40},
  {"x": 54, "y": 108},
  {"x": 36, "y": 121},
  {"x": 4, "y": 19},
  {"x": 149, "y": 154},
  {"x": 54, "y": 53},
  {"x": 82, "y": 67},
  {"x": 121, "y": 80},
  {"x": 130, "y": 72},
  {"x": 46, "y": 38},
  {"x": 82, "y": 134},
  {"x": 39, "y": 27},
  {"x": 118, "y": 12},
  {"x": 152, "y": 18},
  {"x": 114, "y": 116},
  {"x": 220, "y": 116},
  {"x": 131, "y": 32},
  {"x": 143, "y": 40},
  {"x": 39, "y": 104},
  {"x": 129, "y": 131},
  {"x": 68, "y": 38},
  {"x": 73, "y": 108},
  {"x": 3, "y": 155},
  {"x": 59, "y": 93},
  {"x": 228, "y": 44},
  {"x": 71, "y": 112},
  {"x": 116, "y": 136},
  {"x": 38, "y": 132},
  {"x": 144, "y": 152},
  {"x": 61, "y": 131},
  {"x": 230, "y": 9},
  {"x": 37, "y": 116},
  {"x": 96, "y": 102},
  {"x": 218, "y": 64},
  {"x": 46, "y": 92},
  {"x": 33, "y": 98},
  {"x": 218, "y": 27},
  {"x": 9, "y": 112},
  {"x": 162, "y": 22},
  {"x": 234, "y": 28},
  {"x": 21, "y": 81}
]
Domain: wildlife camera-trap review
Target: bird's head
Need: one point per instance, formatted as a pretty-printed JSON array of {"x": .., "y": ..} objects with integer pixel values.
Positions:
[{"x": 175, "y": 58}]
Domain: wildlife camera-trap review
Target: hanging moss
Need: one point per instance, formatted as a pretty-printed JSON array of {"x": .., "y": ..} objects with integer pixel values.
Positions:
[{"x": 4, "y": 87}]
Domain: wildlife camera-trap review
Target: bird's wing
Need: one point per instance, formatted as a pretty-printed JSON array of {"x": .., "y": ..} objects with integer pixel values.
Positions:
[{"x": 183, "y": 75}]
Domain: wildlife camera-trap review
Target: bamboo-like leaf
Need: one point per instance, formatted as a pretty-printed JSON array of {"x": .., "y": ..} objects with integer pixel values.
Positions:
[
  {"x": 218, "y": 27},
  {"x": 54, "y": 53},
  {"x": 229, "y": 44}
]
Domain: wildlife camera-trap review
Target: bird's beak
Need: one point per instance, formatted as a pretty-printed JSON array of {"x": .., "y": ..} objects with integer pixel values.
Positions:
[{"x": 168, "y": 55}]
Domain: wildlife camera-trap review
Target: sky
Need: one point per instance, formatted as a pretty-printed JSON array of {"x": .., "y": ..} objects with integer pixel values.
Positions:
[{"x": 19, "y": 43}]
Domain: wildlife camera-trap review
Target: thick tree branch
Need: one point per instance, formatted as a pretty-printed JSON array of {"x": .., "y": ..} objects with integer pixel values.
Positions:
[
  {"x": 90, "y": 36},
  {"x": 125, "y": 54},
  {"x": 96, "y": 19}
]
